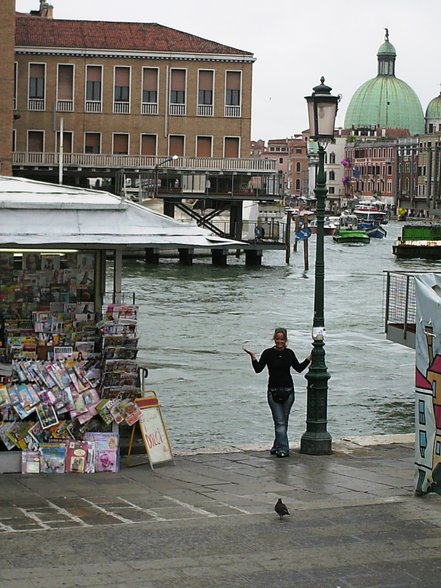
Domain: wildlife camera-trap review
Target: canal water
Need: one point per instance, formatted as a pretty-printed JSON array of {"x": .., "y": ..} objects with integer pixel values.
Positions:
[{"x": 194, "y": 321}]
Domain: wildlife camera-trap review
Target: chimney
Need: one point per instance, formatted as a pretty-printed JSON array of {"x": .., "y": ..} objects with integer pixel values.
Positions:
[{"x": 46, "y": 10}]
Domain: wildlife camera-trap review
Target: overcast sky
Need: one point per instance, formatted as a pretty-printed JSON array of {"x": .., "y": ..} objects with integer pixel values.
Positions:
[{"x": 295, "y": 42}]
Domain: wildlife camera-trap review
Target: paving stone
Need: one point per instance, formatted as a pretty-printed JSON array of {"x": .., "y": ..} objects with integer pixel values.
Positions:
[{"x": 209, "y": 521}]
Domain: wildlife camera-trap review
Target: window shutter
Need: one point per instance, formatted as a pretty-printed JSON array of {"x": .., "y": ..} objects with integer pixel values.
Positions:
[
  {"x": 176, "y": 145},
  {"x": 233, "y": 80},
  {"x": 148, "y": 145},
  {"x": 93, "y": 74},
  {"x": 150, "y": 81},
  {"x": 205, "y": 80},
  {"x": 178, "y": 80},
  {"x": 203, "y": 148},
  {"x": 65, "y": 82},
  {"x": 231, "y": 147}
]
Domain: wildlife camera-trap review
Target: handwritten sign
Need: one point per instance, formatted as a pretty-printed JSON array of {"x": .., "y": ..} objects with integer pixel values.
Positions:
[{"x": 153, "y": 430}]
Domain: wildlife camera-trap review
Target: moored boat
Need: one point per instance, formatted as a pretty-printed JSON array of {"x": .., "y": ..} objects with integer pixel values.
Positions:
[{"x": 419, "y": 240}]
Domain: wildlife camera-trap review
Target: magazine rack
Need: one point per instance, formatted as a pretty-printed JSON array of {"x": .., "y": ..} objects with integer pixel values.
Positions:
[{"x": 153, "y": 431}]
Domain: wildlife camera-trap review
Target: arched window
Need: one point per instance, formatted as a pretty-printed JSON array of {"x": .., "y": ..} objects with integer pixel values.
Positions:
[
  {"x": 298, "y": 167},
  {"x": 332, "y": 175},
  {"x": 332, "y": 157}
]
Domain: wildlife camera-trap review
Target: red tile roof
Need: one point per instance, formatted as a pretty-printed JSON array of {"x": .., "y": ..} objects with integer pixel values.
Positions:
[{"x": 124, "y": 36}]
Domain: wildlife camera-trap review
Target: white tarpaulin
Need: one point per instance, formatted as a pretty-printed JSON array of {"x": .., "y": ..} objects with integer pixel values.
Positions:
[
  {"x": 36, "y": 213},
  {"x": 428, "y": 384}
]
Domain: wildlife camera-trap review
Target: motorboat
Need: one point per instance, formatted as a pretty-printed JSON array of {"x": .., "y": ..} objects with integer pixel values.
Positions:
[
  {"x": 329, "y": 225},
  {"x": 349, "y": 232},
  {"x": 371, "y": 220}
]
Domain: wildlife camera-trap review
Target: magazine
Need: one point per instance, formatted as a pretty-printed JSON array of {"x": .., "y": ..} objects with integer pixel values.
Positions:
[
  {"x": 53, "y": 456},
  {"x": 39, "y": 434},
  {"x": 106, "y": 451},
  {"x": 4, "y": 430},
  {"x": 113, "y": 406},
  {"x": 104, "y": 412},
  {"x": 130, "y": 411},
  {"x": 4, "y": 396},
  {"x": 46, "y": 413},
  {"x": 27, "y": 396},
  {"x": 18, "y": 434},
  {"x": 76, "y": 457},
  {"x": 107, "y": 461},
  {"x": 30, "y": 462}
]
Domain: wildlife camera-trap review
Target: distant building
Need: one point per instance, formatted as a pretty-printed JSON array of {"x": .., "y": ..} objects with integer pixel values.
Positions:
[{"x": 393, "y": 151}]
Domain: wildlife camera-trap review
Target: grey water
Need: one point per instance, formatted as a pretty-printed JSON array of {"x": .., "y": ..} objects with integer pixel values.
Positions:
[{"x": 194, "y": 321}]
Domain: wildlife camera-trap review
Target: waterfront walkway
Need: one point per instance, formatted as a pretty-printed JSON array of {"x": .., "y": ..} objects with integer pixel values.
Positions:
[{"x": 208, "y": 521}]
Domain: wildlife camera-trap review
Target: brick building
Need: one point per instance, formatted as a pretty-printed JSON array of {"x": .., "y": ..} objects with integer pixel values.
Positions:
[{"x": 119, "y": 92}]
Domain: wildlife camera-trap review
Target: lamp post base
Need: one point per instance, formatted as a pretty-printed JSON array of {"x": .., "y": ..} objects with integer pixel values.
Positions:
[{"x": 316, "y": 443}]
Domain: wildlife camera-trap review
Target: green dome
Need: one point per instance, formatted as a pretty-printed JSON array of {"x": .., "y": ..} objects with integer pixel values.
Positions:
[
  {"x": 386, "y": 49},
  {"x": 385, "y": 100},
  {"x": 434, "y": 108}
]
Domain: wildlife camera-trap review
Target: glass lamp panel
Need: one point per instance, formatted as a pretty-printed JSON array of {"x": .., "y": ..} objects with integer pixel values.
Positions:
[{"x": 326, "y": 112}]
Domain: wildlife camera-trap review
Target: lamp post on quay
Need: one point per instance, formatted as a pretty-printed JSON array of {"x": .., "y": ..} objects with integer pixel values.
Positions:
[
  {"x": 322, "y": 110},
  {"x": 157, "y": 166}
]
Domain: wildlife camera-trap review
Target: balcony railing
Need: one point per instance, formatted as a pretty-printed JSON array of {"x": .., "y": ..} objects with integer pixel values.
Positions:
[
  {"x": 232, "y": 111},
  {"x": 205, "y": 110},
  {"x": 64, "y": 105},
  {"x": 94, "y": 106},
  {"x": 177, "y": 109},
  {"x": 36, "y": 104},
  {"x": 121, "y": 107},
  {"x": 94, "y": 160},
  {"x": 149, "y": 108}
]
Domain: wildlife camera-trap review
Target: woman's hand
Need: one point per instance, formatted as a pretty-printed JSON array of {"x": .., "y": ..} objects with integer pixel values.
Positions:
[{"x": 250, "y": 353}]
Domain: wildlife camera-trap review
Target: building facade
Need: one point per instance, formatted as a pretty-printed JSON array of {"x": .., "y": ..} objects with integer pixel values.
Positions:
[
  {"x": 105, "y": 95},
  {"x": 7, "y": 42}
]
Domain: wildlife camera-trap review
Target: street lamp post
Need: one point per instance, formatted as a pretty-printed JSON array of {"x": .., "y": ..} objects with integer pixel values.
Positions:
[
  {"x": 322, "y": 110},
  {"x": 157, "y": 166}
]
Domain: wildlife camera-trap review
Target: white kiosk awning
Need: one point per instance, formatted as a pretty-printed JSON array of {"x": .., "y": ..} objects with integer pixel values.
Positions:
[{"x": 41, "y": 214}]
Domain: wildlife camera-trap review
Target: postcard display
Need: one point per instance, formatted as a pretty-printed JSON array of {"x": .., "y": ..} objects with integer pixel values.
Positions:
[{"x": 68, "y": 373}]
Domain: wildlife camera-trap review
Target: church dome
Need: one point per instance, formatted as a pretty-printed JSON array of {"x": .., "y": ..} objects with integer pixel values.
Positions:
[
  {"x": 385, "y": 100},
  {"x": 434, "y": 108}
]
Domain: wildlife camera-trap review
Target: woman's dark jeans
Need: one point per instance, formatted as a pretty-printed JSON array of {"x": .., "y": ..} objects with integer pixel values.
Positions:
[{"x": 280, "y": 412}]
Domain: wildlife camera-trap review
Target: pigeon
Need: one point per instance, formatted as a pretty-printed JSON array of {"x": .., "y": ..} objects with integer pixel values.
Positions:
[{"x": 281, "y": 509}]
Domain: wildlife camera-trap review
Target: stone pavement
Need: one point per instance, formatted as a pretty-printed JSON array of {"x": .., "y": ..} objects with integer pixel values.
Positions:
[{"x": 208, "y": 521}]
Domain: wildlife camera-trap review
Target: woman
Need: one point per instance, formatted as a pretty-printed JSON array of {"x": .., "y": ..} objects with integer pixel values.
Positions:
[{"x": 279, "y": 360}]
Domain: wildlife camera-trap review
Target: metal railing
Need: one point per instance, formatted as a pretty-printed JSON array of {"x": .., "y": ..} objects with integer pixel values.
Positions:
[
  {"x": 400, "y": 301},
  {"x": 249, "y": 231},
  {"x": 95, "y": 160}
]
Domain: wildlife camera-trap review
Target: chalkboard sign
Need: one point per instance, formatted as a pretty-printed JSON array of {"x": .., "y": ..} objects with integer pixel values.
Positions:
[{"x": 153, "y": 430}]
